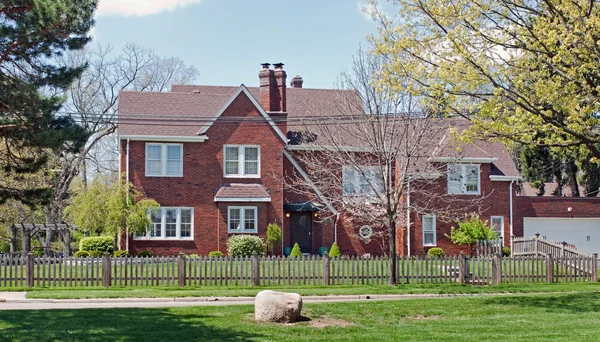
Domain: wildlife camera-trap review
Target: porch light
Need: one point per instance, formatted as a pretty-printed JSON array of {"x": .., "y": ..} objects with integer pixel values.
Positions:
[
  {"x": 287, "y": 214},
  {"x": 316, "y": 214}
]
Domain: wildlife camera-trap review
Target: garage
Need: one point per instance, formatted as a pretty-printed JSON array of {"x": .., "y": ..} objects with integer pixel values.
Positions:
[{"x": 584, "y": 233}]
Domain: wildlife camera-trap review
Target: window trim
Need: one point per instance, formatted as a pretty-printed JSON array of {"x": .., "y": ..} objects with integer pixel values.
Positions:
[
  {"x": 423, "y": 217},
  {"x": 501, "y": 224},
  {"x": 163, "y": 159},
  {"x": 241, "y": 161},
  {"x": 242, "y": 219},
  {"x": 463, "y": 179},
  {"x": 163, "y": 227}
]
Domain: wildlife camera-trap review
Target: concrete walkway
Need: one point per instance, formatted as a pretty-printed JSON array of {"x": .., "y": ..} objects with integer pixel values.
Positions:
[{"x": 18, "y": 300}]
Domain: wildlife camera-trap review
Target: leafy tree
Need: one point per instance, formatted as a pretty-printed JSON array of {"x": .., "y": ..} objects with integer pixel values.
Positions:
[
  {"x": 470, "y": 231},
  {"x": 108, "y": 208},
  {"x": 273, "y": 236},
  {"x": 31, "y": 32},
  {"x": 522, "y": 71}
]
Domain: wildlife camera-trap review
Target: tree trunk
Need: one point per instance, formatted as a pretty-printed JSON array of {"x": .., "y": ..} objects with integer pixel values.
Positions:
[
  {"x": 84, "y": 173},
  {"x": 572, "y": 176},
  {"x": 392, "y": 264}
]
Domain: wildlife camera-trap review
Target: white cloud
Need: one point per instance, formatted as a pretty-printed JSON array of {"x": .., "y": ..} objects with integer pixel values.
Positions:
[{"x": 139, "y": 8}]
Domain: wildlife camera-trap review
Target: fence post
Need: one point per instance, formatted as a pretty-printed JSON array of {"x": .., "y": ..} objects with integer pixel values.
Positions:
[
  {"x": 181, "y": 270},
  {"x": 549, "y": 269},
  {"x": 326, "y": 261},
  {"x": 494, "y": 270},
  {"x": 535, "y": 246},
  {"x": 255, "y": 270},
  {"x": 106, "y": 281},
  {"x": 595, "y": 267},
  {"x": 562, "y": 250},
  {"x": 29, "y": 267},
  {"x": 462, "y": 268}
]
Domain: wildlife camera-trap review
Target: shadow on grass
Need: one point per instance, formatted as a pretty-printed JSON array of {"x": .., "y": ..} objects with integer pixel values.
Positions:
[
  {"x": 572, "y": 303},
  {"x": 175, "y": 324}
]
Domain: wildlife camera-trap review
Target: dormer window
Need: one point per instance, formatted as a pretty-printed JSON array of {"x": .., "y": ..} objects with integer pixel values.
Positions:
[
  {"x": 241, "y": 161},
  {"x": 463, "y": 179}
]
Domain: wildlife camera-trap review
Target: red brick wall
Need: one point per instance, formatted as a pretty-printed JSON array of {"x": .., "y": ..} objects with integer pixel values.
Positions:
[
  {"x": 202, "y": 177},
  {"x": 493, "y": 201},
  {"x": 526, "y": 206}
]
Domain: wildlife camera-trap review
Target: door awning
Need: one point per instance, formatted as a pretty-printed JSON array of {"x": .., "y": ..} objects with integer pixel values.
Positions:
[{"x": 303, "y": 206}]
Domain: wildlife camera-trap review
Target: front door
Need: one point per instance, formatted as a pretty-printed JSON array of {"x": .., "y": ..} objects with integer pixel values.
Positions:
[{"x": 301, "y": 230}]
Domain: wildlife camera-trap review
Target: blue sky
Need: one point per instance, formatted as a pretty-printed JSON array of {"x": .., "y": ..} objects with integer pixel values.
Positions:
[{"x": 228, "y": 39}]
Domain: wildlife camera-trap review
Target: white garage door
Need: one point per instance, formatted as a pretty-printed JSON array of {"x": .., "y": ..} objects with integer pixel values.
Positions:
[{"x": 583, "y": 233}]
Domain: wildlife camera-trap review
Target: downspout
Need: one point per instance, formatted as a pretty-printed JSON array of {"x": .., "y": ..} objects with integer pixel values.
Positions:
[
  {"x": 337, "y": 217},
  {"x": 127, "y": 192},
  {"x": 510, "y": 190},
  {"x": 408, "y": 217}
]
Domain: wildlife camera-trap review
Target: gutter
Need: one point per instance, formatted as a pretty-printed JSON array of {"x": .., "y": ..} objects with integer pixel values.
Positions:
[{"x": 127, "y": 192}]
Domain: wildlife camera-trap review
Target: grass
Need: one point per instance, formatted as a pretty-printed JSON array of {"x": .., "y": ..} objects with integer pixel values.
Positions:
[
  {"x": 564, "y": 317},
  {"x": 216, "y": 291}
]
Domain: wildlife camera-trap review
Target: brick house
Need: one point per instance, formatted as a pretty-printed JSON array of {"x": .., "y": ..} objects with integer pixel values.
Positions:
[{"x": 214, "y": 158}]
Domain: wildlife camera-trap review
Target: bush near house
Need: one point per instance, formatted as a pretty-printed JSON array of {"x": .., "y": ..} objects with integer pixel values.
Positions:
[
  {"x": 96, "y": 254},
  {"x": 436, "y": 252},
  {"x": 273, "y": 236},
  {"x": 296, "y": 252},
  {"x": 97, "y": 243},
  {"x": 215, "y": 254},
  {"x": 334, "y": 251},
  {"x": 245, "y": 245},
  {"x": 119, "y": 254},
  {"x": 145, "y": 254},
  {"x": 81, "y": 254},
  {"x": 505, "y": 251}
]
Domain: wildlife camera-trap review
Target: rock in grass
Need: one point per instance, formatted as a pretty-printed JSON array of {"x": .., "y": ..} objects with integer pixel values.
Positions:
[{"x": 282, "y": 307}]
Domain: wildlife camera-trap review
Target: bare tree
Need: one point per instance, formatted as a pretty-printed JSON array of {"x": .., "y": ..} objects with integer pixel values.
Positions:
[
  {"x": 379, "y": 148},
  {"x": 93, "y": 102}
]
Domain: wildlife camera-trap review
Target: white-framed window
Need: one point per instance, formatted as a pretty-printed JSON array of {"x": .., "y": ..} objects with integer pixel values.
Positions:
[
  {"x": 164, "y": 160},
  {"x": 497, "y": 224},
  {"x": 367, "y": 181},
  {"x": 464, "y": 179},
  {"x": 241, "y": 161},
  {"x": 170, "y": 223},
  {"x": 428, "y": 224},
  {"x": 242, "y": 220}
]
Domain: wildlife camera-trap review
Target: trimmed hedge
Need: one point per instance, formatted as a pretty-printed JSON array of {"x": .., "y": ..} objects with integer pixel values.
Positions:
[
  {"x": 145, "y": 254},
  {"x": 97, "y": 243},
  {"x": 334, "y": 251},
  {"x": 81, "y": 254},
  {"x": 296, "y": 252},
  {"x": 119, "y": 254},
  {"x": 245, "y": 245},
  {"x": 215, "y": 254},
  {"x": 96, "y": 254},
  {"x": 436, "y": 252},
  {"x": 505, "y": 251}
]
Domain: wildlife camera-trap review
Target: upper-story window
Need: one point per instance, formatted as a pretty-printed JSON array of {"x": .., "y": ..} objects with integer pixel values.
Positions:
[
  {"x": 164, "y": 160},
  {"x": 463, "y": 179},
  {"x": 367, "y": 181},
  {"x": 242, "y": 161}
]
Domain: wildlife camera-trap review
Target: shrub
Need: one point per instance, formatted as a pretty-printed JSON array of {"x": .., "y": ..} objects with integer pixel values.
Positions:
[
  {"x": 244, "y": 245},
  {"x": 296, "y": 252},
  {"x": 215, "y": 254},
  {"x": 81, "y": 254},
  {"x": 97, "y": 243},
  {"x": 505, "y": 251},
  {"x": 4, "y": 247},
  {"x": 194, "y": 255},
  {"x": 436, "y": 252},
  {"x": 273, "y": 236},
  {"x": 334, "y": 251},
  {"x": 96, "y": 254},
  {"x": 118, "y": 254},
  {"x": 38, "y": 252},
  {"x": 145, "y": 254}
]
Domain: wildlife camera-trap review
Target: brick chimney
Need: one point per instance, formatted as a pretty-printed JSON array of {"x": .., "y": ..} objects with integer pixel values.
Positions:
[
  {"x": 296, "y": 82},
  {"x": 273, "y": 93}
]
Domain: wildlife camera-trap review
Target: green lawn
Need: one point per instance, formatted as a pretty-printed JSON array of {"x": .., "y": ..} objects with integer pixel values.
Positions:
[
  {"x": 153, "y": 292},
  {"x": 564, "y": 317}
]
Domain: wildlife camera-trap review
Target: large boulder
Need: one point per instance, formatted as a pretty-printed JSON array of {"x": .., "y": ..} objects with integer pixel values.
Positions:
[{"x": 271, "y": 306}]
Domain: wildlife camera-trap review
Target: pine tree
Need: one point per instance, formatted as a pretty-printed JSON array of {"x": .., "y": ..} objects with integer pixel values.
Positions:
[{"x": 32, "y": 32}]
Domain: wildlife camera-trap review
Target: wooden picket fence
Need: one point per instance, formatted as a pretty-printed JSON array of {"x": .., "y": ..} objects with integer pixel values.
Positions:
[{"x": 16, "y": 271}]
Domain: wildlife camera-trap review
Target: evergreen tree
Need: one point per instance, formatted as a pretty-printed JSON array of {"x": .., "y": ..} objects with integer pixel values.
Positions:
[{"x": 32, "y": 32}]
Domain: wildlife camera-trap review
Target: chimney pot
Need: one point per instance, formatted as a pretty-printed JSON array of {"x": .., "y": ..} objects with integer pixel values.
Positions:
[
  {"x": 265, "y": 65},
  {"x": 278, "y": 65}
]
